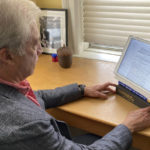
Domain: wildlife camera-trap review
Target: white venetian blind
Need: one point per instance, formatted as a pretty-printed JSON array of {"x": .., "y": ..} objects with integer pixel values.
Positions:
[{"x": 110, "y": 22}]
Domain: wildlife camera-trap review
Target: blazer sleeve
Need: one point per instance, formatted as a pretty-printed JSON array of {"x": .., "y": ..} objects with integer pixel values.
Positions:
[
  {"x": 120, "y": 138},
  {"x": 59, "y": 96},
  {"x": 42, "y": 136}
]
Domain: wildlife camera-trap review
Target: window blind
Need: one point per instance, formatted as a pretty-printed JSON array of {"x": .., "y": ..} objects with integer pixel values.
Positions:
[{"x": 110, "y": 22}]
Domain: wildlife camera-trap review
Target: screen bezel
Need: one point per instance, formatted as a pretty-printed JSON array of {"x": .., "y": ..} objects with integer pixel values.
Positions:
[{"x": 121, "y": 78}]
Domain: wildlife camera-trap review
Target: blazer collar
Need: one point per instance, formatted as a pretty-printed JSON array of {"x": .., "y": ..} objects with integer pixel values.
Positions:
[
  {"x": 12, "y": 93},
  {"x": 7, "y": 90}
]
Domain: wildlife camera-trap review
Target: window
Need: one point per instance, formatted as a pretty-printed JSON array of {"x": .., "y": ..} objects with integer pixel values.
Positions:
[{"x": 100, "y": 28}]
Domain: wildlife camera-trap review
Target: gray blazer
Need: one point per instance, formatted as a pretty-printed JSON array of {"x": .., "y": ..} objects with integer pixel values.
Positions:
[{"x": 25, "y": 126}]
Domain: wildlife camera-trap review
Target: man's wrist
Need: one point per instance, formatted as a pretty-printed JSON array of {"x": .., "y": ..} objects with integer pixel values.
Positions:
[
  {"x": 129, "y": 127},
  {"x": 81, "y": 88}
]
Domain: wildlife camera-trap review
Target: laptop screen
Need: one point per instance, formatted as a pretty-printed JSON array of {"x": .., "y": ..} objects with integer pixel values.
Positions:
[{"x": 133, "y": 68}]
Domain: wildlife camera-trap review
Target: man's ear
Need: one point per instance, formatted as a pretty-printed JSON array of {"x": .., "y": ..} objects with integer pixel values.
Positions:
[{"x": 5, "y": 56}]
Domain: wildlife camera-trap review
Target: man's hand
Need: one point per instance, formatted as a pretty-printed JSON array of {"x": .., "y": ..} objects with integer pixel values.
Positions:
[
  {"x": 99, "y": 91},
  {"x": 138, "y": 120}
]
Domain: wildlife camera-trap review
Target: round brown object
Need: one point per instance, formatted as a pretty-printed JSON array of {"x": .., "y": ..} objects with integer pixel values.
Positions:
[{"x": 64, "y": 57}]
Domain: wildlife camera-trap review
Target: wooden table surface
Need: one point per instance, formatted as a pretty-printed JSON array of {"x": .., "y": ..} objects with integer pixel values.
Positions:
[{"x": 93, "y": 115}]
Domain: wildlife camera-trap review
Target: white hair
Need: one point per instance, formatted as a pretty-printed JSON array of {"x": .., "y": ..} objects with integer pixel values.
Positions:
[{"x": 16, "y": 18}]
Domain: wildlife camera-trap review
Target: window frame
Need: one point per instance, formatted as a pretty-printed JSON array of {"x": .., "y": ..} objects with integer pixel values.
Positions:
[{"x": 75, "y": 35}]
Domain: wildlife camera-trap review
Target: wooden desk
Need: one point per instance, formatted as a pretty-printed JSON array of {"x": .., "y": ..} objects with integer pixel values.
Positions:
[{"x": 93, "y": 115}]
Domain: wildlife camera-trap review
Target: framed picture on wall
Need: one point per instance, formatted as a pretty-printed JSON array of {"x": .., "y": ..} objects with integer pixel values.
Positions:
[{"x": 53, "y": 29}]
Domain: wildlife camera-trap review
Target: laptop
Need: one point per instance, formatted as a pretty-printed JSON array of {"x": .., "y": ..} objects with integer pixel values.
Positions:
[{"x": 133, "y": 71}]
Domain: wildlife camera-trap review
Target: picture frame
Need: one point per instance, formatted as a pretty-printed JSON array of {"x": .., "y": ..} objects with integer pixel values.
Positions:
[{"x": 53, "y": 29}]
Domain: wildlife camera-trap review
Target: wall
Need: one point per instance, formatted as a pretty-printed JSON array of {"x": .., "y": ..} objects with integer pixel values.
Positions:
[{"x": 49, "y": 3}]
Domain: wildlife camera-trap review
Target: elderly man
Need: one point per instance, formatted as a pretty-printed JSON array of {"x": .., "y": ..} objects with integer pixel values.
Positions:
[{"x": 24, "y": 124}]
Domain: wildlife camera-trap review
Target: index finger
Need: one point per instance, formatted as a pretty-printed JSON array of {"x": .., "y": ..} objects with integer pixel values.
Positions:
[{"x": 147, "y": 108}]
